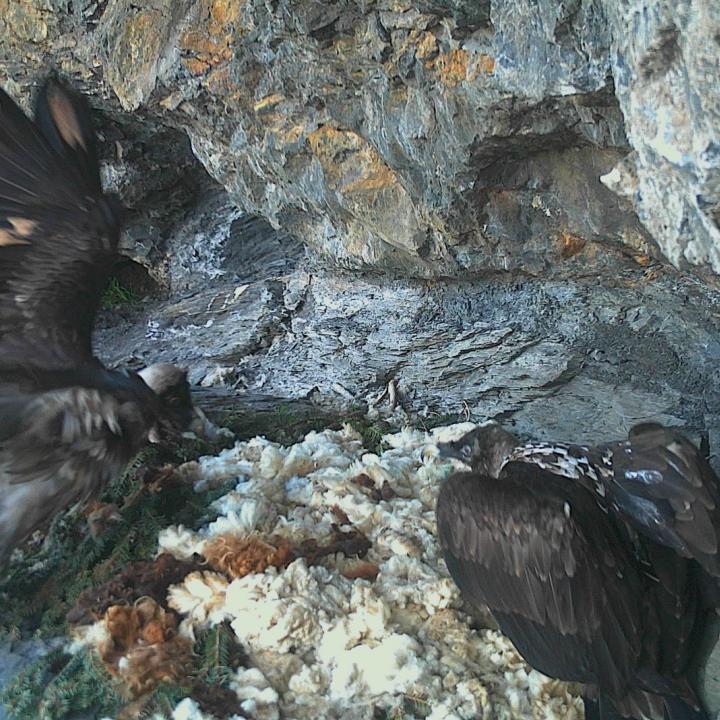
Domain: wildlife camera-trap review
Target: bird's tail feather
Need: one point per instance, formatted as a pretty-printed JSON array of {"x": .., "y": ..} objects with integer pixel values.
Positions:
[
  {"x": 600, "y": 708},
  {"x": 677, "y": 708}
]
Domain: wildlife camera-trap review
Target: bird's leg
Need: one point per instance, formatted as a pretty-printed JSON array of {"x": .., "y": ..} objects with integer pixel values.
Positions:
[{"x": 204, "y": 428}]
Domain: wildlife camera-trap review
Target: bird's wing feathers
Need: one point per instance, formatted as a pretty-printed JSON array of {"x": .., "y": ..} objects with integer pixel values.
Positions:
[
  {"x": 57, "y": 449},
  {"x": 666, "y": 488},
  {"x": 64, "y": 121},
  {"x": 58, "y": 232},
  {"x": 529, "y": 558},
  {"x": 39, "y": 435}
]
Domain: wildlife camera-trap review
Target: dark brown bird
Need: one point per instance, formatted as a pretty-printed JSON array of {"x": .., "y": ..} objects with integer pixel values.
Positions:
[
  {"x": 68, "y": 425},
  {"x": 600, "y": 564}
]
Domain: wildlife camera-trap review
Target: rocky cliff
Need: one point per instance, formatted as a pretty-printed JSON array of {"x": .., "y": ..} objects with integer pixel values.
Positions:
[
  {"x": 266, "y": 147},
  {"x": 431, "y": 138}
]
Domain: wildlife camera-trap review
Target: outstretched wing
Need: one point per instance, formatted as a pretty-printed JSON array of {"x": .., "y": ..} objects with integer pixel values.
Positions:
[
  {"x": 664, "y": 485},
  {"x": 551, "y": 569},
  {"x": 58, "y": 232}
]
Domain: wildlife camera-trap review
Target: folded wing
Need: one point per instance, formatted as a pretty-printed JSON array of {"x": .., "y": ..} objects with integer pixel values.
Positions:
[
  {"x": 551, "y": 570},
  {"x": 666, "y": 488}
]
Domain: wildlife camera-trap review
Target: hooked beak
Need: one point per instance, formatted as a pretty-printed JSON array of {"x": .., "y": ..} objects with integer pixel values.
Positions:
[{"x": 154, "y": 435}]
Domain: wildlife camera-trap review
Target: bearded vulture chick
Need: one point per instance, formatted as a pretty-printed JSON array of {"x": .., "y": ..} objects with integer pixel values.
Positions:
[{"x": 599, "y": 563}]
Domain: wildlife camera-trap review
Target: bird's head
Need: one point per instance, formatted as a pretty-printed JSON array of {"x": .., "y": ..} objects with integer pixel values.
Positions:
[
  {"x": 176, "y": 412},
  {"x": 484, "y": 449}
]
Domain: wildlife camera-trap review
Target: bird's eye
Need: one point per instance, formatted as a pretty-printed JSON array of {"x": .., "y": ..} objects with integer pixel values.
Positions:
[{"x": 466, "y": 451}]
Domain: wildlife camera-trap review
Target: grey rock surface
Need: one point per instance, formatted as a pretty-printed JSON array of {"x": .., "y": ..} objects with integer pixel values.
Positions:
[
  {"x": 430, "y": 138},
  {"x": 579, "y": 359},
  {"x": 666, "y": 64},
  {"x": 390, "y": 135}
]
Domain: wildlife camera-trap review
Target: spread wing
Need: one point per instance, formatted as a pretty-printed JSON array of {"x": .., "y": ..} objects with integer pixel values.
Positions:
[
  {"x": 58, "y": 232},
  {"x": 551, "y": 569},
  {"x": 56, "y": 449},
  {"x": 663, "y": 485}
]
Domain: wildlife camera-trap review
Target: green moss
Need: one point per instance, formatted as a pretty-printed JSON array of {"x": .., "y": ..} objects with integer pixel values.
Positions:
[
  {"x": 219, "y": 655},
  {"x": 116, "y": 294},
  {"x": 286, "y": 423},
  {"x": 372, "y": 433},
  {"x": 60, "y": 686}
]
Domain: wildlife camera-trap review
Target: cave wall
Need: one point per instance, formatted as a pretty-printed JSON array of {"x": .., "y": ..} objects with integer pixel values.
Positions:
[{"x": 433, "y": 138}]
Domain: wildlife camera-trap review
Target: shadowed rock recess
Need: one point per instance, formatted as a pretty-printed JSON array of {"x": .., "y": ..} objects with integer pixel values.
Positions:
[{"x": 473, "y": 201}]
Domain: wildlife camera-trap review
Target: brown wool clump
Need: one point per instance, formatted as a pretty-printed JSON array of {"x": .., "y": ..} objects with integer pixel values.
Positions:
[
  {"x": 351, "y": 543},
  {"x": 159, "y": 479},
  {"x": 239, "y": 556},
  {"x": 361, "y": 570},
  {"x": 151, "y": 665},
  {"x": 143, "y": 648},
  {"x": 145, "y": 578}
]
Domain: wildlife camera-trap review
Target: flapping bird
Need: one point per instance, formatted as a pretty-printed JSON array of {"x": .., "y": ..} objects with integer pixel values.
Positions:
[
  {"x": 599, "y": 563},
  {"x": 68, "y": 425}
]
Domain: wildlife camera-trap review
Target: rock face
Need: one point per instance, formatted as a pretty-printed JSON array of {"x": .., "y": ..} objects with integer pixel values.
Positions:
[
  {"x": 429, "y": 138},
  {"x": 576, "y": 359},
  {"x": 666, "y": 64}
]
